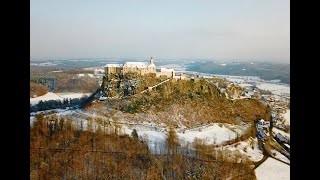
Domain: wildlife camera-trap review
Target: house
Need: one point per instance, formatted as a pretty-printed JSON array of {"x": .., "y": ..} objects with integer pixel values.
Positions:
[{"x": 165, "y": 72}]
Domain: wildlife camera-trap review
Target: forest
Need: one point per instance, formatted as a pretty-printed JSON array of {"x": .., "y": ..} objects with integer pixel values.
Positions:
[
  {"x": 66, "y": 81},
  {"x": 62, "y": 149}
]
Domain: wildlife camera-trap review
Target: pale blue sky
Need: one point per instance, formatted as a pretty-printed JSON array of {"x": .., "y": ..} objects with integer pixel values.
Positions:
[{"x": 224, "y": 29}]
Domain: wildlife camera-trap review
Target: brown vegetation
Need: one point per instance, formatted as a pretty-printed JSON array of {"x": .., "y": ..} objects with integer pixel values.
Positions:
[
  {"x": 37, "y": 89},
  {"x": 68, "y": 81},
  {"x": 64, "y": 150},
  {"x": 83, "y": 85},
  {"x": 195, "y": 104}
]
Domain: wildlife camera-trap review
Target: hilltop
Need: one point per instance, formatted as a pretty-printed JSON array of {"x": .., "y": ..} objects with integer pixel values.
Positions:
[{"x": 184, "y": 103}]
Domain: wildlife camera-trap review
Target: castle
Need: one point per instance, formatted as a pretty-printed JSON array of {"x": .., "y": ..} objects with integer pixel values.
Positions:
[{"x": 141, "y": 68}]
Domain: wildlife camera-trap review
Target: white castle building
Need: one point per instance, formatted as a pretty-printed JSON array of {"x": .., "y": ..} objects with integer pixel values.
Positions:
[{"x": 141, "y": 68}]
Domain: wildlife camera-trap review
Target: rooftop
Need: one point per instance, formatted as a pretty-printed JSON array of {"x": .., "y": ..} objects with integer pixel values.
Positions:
[
  {"x": 113, "y": 65},
  {"x": 136, "y": 64}
]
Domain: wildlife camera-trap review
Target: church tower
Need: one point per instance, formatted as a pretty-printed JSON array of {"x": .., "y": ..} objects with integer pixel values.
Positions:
[
  {"x": 151, "y": 67},
  {"x": 151, "y": 61}
]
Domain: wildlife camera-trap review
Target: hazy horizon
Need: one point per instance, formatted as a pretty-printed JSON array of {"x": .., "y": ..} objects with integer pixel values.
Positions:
[{"x": 248, "y": 30}]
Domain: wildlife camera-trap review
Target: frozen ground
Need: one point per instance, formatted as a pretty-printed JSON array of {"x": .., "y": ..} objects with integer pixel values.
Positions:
[
  {"x": 56, "y": 96},
  {"x": 273, "y": 169},
  {"x": 277, "y": 89}
]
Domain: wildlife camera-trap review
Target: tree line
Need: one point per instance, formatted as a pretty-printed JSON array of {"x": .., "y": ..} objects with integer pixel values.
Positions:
[{"x": 58, "y": 104}]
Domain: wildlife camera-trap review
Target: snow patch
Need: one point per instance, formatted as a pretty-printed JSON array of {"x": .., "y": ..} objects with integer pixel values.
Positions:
[
  {"x": 277, "y": 89},
  {"x": 213, "y": 134},
  {"x": 46, "y": 97},
  {"x": 273, "y": 169},
  {"x": 56, "y": 96},
  {"x": 245, "y": 149}
]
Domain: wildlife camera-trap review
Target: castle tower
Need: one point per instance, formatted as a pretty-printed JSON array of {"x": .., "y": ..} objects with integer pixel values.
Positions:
[
  {"x": 151, "y": 61},
  {"x": 151, "y": 68}
]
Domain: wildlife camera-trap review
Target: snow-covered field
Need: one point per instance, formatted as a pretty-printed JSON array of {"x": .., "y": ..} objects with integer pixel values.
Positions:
[
  {"x": 276, "y": 89},
  {"x": 213, "y": 134},
  {"x": 46, "y": 97},
  {"x": 56, "y": 96},
  {"x": 155, "y": 139},
  {"x": 273, "y": 169}
]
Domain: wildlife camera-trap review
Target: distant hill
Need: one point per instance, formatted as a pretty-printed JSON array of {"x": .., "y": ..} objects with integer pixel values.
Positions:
[{"x": 266, "y": 71}]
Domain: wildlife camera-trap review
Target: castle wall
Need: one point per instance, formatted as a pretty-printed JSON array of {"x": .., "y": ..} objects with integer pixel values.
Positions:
[
  {"x": 112, "y": 70},
  {"x": 166, "y": 72},
  {"x": 131, "y": 67}
]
